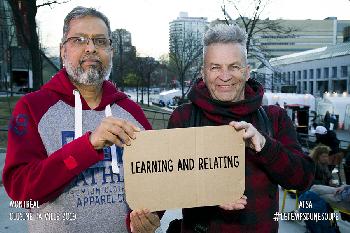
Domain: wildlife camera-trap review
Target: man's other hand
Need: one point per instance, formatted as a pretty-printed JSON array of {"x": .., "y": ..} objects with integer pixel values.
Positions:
[
  {"x": 237, "y": 205},
  {"x": 251, "y": 136},
  {"x": 143, "y": 221}
]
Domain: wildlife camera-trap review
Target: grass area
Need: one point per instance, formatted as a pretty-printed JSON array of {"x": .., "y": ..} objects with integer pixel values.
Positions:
[{"x": 6, "y": 106}]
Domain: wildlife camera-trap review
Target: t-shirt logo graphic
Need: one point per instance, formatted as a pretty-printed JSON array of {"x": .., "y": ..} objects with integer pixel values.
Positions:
[{"x": 67, "y": 137}]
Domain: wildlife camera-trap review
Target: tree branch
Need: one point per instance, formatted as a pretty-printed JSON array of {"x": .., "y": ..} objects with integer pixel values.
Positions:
[{"x": 49, "y": 3}]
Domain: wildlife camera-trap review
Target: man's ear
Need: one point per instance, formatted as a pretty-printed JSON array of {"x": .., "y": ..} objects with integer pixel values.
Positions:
[
  {"x": 62, "y": 52},
  {"x": 202, "y": 72},
  {"x": 247, "y": 73},
  {"x": 112, "y": 51}
]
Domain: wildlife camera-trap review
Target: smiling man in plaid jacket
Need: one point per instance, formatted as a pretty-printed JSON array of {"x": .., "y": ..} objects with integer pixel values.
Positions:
[{"x": 226, "y": 95}]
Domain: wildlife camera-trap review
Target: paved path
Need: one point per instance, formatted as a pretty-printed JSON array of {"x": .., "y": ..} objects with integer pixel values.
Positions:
[{"x": 6, "y": 225}]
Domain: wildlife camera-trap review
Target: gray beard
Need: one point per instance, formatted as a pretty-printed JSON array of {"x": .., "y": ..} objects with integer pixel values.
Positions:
[{"x": 94, "y": 76}]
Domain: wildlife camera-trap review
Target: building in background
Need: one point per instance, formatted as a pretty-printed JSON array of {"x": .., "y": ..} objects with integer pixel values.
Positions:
[
  {"x": 185, "y": 43},
  {"x": 275, "y": 38},
  {"x": 316, "y": 71},
  {"x": 346, "y": 34},
  {"x": 185, "y": 27},
  {"x": 4, "y": 42},
  {"x": 15, "y": 64},
  {"x": 306, "y": 35},
  {"x": 15, "y": 60},
  {"x": 122, "y": 43}
]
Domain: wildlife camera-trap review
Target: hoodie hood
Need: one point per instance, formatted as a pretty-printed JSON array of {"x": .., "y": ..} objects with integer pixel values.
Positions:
[{"x": 62, "y": 86}]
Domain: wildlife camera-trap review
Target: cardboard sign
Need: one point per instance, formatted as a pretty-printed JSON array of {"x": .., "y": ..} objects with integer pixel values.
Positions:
[{"x": 183, "y": 168}]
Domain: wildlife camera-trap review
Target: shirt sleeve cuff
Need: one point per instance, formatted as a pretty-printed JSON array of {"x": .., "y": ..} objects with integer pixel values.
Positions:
[{"x": 80, "y": 154}]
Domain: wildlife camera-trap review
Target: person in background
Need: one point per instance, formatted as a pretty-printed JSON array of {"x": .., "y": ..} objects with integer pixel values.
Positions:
[
  {"x": 65, "y": 141},
  {"x": 329, "y": 138},
  {"x": 327, "y": 120},
  {"x": 336, "y": 197},
  {"x": 320, "y": 155}
]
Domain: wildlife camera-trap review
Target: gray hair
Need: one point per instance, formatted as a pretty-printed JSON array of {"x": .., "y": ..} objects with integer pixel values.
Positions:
[
  {"x": 80, "y": 12},
  {"x": 223, "y": 33}
]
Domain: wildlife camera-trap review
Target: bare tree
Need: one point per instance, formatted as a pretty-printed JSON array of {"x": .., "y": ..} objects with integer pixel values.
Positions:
[
  {"x": 139, "y": 81},
  {"x": 249, "y": 17},
  {"x": 50, "y": 3},
  {"x": 195, "y": 74},
  {"x": 151, "y": 65},
  {"x": 24, "y": 13},
  {"x": 139, "y": 64},
  {"x": 185, "y": 57},
  {"x": 161, "y": 76},
  {"x": 124, "y": 56},
  {"x": 144, "y": 68}
]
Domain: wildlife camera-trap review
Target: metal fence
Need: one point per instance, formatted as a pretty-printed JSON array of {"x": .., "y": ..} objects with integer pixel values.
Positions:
[{"x": 158, "y": 119}]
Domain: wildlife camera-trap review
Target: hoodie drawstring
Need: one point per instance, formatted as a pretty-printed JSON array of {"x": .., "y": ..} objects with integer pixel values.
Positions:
[
  {"x": 78, "y": 115},
  {"x": 115, "y": 167},
  {"x": 78, "y": 124}
]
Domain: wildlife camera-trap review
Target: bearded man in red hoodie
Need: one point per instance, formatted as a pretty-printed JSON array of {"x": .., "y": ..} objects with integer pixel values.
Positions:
[
  {"x": 226, "y": 95},
  {"x": 65, "y": 141}
]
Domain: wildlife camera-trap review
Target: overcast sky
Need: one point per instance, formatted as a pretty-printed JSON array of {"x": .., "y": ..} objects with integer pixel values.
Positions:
[{"x": 148, "y": 20}]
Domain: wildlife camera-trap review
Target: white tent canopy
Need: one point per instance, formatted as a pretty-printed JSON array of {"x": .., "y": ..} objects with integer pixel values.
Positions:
[
  {"x": 338, "y": 105},
  {"x": 166, "y": 97},
  {"x": 289, "y": 98}
]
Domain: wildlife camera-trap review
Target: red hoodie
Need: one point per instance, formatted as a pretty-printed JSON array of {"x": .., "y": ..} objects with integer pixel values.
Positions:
[{"x": 44, "y": 163}]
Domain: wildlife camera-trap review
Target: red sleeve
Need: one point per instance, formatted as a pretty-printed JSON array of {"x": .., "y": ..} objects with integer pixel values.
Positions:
[
  {"x": 29, "y": 173},
  {"x": 283, "y": 157},
  {"x": 180, "y": 116}
]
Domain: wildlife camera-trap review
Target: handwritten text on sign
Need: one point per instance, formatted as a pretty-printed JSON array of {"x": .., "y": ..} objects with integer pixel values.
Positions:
[{"x": 183, "y": 168}]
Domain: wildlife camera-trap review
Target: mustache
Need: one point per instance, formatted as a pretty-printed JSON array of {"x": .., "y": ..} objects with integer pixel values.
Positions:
[{"x": 90, "y": 57}]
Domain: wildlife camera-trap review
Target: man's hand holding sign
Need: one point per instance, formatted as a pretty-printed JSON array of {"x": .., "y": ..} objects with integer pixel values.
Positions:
[
  {"x": 254, "y": 140},
  {"x": 143, "y": 221}
]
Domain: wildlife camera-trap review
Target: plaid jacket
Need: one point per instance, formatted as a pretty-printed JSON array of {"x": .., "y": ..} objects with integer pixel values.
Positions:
[{"x": 281, "y": 162}]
